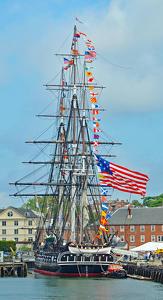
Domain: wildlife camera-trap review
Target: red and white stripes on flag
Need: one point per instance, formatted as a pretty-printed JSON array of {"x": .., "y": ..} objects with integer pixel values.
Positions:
[{"x": 121, "y": 178}]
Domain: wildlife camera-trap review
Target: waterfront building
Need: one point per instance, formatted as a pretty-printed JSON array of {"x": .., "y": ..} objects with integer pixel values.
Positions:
[
  {"x": 115, "y": 204},
  {"x": 18, "y": 225},
  {"x": 137, "y": 226}
]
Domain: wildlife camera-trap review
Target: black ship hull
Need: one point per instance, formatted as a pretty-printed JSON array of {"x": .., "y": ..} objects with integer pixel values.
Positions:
[
  {"x": 72, "y": 271},
  {"x": 72, "y": 265}
]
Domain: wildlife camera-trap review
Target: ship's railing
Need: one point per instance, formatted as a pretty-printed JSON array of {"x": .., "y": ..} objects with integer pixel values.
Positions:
[
  {"x": 69, "y": 258},
  {"x": 46, "y": 258}
]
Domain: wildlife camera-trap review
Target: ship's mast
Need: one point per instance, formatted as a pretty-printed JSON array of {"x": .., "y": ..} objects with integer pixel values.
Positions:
[
  {"x": 83, "y": 156},
  {"x": 61, "y": 151},
  {"x": 73, "y": 196}
]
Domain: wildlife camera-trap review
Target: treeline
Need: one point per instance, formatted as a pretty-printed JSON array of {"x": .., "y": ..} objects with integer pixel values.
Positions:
[
  {"x": 5, "y": 246},
  {"x": 153, "y": 201},
  {"x": 43, "y": 202},
  {"x": 52, "y": 204}
]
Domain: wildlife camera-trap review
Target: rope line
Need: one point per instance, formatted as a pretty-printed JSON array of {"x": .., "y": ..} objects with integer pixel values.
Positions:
[
  {"x": 115, "y": 64},
  {"x": 64, "y": 42}
]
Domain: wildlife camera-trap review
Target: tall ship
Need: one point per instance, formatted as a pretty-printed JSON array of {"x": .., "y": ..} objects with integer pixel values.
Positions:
[{"x": 72, "y": 180}]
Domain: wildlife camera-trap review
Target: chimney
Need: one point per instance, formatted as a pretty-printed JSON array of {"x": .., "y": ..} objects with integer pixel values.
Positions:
[{"x": 113, "y": 207}]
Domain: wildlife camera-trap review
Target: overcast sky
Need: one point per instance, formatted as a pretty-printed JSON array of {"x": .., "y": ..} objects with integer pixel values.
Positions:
[{"x": 126, "y": 33}]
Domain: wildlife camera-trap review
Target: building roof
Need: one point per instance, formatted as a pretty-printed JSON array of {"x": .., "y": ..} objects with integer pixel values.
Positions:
[
  {"x": 140, "y": 216},
  {"x": 26, "y": 212}
]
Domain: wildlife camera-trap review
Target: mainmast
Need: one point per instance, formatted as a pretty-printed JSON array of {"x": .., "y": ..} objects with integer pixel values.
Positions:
[
  {"x": 83, "y": 157},
  {"x": 74, "y": 145}
]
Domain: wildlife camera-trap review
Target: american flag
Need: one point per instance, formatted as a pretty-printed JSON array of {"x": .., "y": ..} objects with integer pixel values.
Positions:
[
  {"x": 121, "y": 178},
  {"x": 90, "y": 54}
]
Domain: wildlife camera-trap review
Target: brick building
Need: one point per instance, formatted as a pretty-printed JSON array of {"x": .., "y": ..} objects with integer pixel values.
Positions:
[
  {"x": 115, "y": 204},
  {"x": 137, "y": 226}
]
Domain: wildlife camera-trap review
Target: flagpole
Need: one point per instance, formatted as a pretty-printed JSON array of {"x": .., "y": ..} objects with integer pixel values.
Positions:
[{"x": 130, "y": 198}]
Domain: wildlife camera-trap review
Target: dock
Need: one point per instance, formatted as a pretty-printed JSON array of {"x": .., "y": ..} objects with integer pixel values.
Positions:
[
  {"x": 13, "y": 269},
  {"x": 144, "y": 271}
]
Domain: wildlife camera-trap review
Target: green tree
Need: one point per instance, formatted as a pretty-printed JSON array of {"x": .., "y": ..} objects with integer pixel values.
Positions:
[
  {"x": 154, "y": 201},
  {"x": 5, "y": 246},
  {"x": 136, "y": 203},
  {"x": 31, "y": 203}
]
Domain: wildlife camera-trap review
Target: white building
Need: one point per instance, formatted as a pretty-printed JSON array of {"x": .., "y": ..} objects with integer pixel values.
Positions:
[{"x": 18, "y": 225}]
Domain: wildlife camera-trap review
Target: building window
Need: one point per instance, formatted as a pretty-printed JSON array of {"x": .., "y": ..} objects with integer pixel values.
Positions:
[
  {"x": 142, "y": 238},
  {"x": 122, "y": 228},
  {"x": 10, "y": 214},
  {"x": 142, "y": 228},
  {"x": 30, "y": 239},
  {"x": 152, "y": 227},
  {"x": 15, "y": 231},
  {"x": 16, "y": 239},
  {"x": 3, "y": 223},
  {"x": 132, "y": 238},
  {"x": 152, "y": 238},
  {"x": 3, "y": 231},
  {"x": 27, "y": 214},
  {"x": 112, "y": 228},
  {"x": 132, "y": 228},
  {"x": 122, "y": 238},
  {"x": 160, "y": 238},
  {"x": 29, "y": 223},
  {"x": 3, "y": 239},
  {"x": 15, "y": 223},
  {"x": 29, "y": 231},
  {"x": 162, "y": 227}
]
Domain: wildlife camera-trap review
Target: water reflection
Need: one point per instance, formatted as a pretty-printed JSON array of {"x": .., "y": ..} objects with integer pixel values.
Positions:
[{"x": 40, "y": 287}]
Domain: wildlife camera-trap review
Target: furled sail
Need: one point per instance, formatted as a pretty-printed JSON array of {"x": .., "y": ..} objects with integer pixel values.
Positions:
[{"x": 85, "y": 204}]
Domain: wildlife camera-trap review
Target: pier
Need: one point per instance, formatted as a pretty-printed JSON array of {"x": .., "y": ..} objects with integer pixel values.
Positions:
[
  {"x": 13, "y": 269},
  {"x": 144, "y": 271}
]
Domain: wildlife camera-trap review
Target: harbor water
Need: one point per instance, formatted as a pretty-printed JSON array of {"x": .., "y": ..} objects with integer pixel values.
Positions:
[{"x": 39, "y": 287}]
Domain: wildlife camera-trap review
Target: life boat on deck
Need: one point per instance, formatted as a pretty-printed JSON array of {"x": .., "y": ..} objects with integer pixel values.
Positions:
[{"x": 89, "y": 250}]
